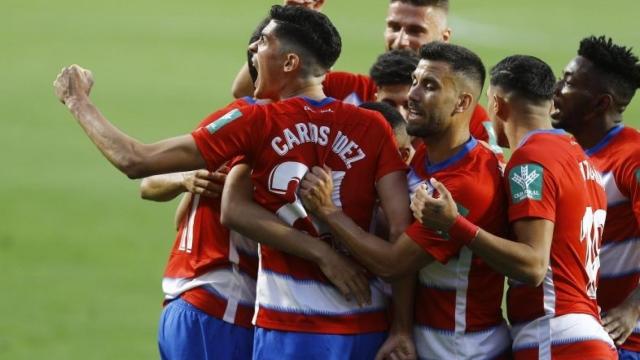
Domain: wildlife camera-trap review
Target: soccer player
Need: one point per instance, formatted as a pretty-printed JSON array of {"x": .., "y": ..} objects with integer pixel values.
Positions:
[
  {"x": 457, "y": 307},
  {"x": 391, "y": 74},
  {"x": 281, "y": 141},
  {"x": 557, "y": 209},
  {"x": 243, "y": 84},
  {"x": 210, "y": 279},
  {"x": 590, "y": 98}
]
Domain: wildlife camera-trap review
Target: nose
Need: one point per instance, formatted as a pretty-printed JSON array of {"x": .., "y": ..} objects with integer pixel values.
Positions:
[
  {"x": 253, "y": 47},
  {"x": 402, "y": 40}
]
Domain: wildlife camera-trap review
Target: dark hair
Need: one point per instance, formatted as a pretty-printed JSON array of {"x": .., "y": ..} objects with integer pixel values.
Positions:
[
  {"x": 309, "y": 31},
  {"x": 617, "y": 64},
  {"x": 394, "y": 67},
  {"x": 461, "y": 60},
  {"x": 255, "y": 36},
  {"x": 441, "y": 4},
  {"x": 526, "y": 76},
  {"x": 391, "y": 114}
]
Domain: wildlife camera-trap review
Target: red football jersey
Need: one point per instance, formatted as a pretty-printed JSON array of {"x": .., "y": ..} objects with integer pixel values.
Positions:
[
  {"x": 550, "y": 177},
  {"x": 211, "y": 267},
  {"x": 617, "y": 156},
  {"x": 282, "y": 141},
  {"x": 459, "y": 296},
  {"x": 351, "y": 88}
]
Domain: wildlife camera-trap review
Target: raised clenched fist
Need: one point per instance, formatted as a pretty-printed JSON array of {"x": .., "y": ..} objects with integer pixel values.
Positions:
[{"x": 73, "y": 82}]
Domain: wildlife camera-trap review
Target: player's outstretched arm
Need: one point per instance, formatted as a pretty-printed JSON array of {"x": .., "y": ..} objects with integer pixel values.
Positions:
[
  {"x": 243, "y": 215},
  {"x": 526, "y": 259},
  {"x": 133, "y": 158},
  {"x": 386, "y": 259}
]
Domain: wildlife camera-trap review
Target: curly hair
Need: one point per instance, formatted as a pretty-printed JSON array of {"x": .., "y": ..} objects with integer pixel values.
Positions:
[
  {"x": 617, "y": 64},
  {"x": 308, "y": 31},
  {"x": 394, "y": 67},
  {"x": 526, "y": 76}
]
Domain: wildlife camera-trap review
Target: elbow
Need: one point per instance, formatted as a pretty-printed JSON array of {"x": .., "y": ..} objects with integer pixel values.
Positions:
[
  {"x": 133, "y": 168},
  {"x": 534, "y": 276},
  {"x": 145, "y": 189},
  {"x": 228, "y": 217}
]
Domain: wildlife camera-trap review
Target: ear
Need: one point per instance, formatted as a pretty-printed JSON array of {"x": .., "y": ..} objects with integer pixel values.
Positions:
[
  {"x": 292, "y": 63},
  {"x": 318, "y": 5},
  {"x": 464, "y": 103},
  {"x": 501, "y": 108},
  {"x": 446, "y": 35},
  {"x": 604, "y": 103}
]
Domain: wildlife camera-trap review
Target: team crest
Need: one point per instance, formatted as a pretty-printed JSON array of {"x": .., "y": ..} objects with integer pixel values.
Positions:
[
  {"x": 224, "y": 120},
  {"x": 526, "y": 182}
]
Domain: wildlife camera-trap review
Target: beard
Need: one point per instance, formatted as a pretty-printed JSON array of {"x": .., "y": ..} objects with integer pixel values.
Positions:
[{"x": 429, "y": 125}]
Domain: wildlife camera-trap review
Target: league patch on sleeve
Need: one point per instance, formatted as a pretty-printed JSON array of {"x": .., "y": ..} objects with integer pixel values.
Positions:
[
  {"x": 526, "y": 182},
  {"x": 638, "y": 175},
  {"x": 224, "y": 120}
]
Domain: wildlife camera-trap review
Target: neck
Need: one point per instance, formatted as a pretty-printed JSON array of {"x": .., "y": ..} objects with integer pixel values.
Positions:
[
  {"x": 524, "y": 121},
  {"x": 444, "y": 145},
  {"x": 590, "y": 135},
  {"x": 310, "y": 87}
]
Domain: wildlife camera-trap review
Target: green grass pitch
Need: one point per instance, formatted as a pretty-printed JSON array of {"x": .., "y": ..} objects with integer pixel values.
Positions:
[{"x": 81, "y": 256}]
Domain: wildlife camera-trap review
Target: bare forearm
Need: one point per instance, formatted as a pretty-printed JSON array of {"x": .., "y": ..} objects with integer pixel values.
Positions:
[
  {"x": 261, "y": 225},
  {"x": 120, "y": 149},
  {"x": 162, "y": 187},
  {"x": 371, "y": 251},
  {"x": 511, "y": 258},
  {"x": 133, "y": 158},
  {"x": 403, "y": 295}
]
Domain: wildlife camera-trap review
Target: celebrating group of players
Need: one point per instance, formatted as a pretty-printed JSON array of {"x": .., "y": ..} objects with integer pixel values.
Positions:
[{"x": 386, "y": 218}]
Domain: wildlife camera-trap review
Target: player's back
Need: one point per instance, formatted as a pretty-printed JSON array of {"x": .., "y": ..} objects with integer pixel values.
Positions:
[
  {"x": 295, "y": 135},
  {"x": 211, "y": 267},
  {"x": 617, "y": 156},
  {"x": 550, "y": 177}
]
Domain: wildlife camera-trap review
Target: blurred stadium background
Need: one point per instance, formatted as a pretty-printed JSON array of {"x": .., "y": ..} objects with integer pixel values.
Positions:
[{"x": 81, "y": 256}]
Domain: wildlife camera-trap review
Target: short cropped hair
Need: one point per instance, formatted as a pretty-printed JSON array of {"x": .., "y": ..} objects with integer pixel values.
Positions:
[
  {"x": 441, "y": 4},
  {"x": 390, "y": 113},
  {"x": 617, "y": 64},
  {"x": 525, "y": 76},
  {"x": 394, "y": 67},
  {"x": 309, "y": 31},
  {"x": 460, "y": 59}
]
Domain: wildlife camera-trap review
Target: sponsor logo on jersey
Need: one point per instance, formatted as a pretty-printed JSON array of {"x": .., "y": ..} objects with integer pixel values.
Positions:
[
  {"x": 526, "y": 182},
  {"x": 224, "y": 120}
]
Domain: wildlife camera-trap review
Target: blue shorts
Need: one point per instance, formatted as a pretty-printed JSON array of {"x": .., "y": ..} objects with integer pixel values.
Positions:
[
  {"x": 277, "y": 345},
  {"x": 628, "y": 355},
  {"x": 185, "y": 332}
]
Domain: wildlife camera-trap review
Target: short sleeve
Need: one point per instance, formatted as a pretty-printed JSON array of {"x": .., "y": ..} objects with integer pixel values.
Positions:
[
  {"x": 532, "y": 191},
  {"x": 342, "y": 85},
  {"x": 433, "y": 243},
  {"x": 238, "y": 132}
]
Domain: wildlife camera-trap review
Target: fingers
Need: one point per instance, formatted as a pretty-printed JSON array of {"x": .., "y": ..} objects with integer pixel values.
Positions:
[{"x": 444, "y": 192}]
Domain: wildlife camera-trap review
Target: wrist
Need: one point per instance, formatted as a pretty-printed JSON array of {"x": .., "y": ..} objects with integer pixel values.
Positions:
[
  {"x": 463, "y": 230},
  {"x": 327, "y": 212},
  {"x": 319, "y": 251}
]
